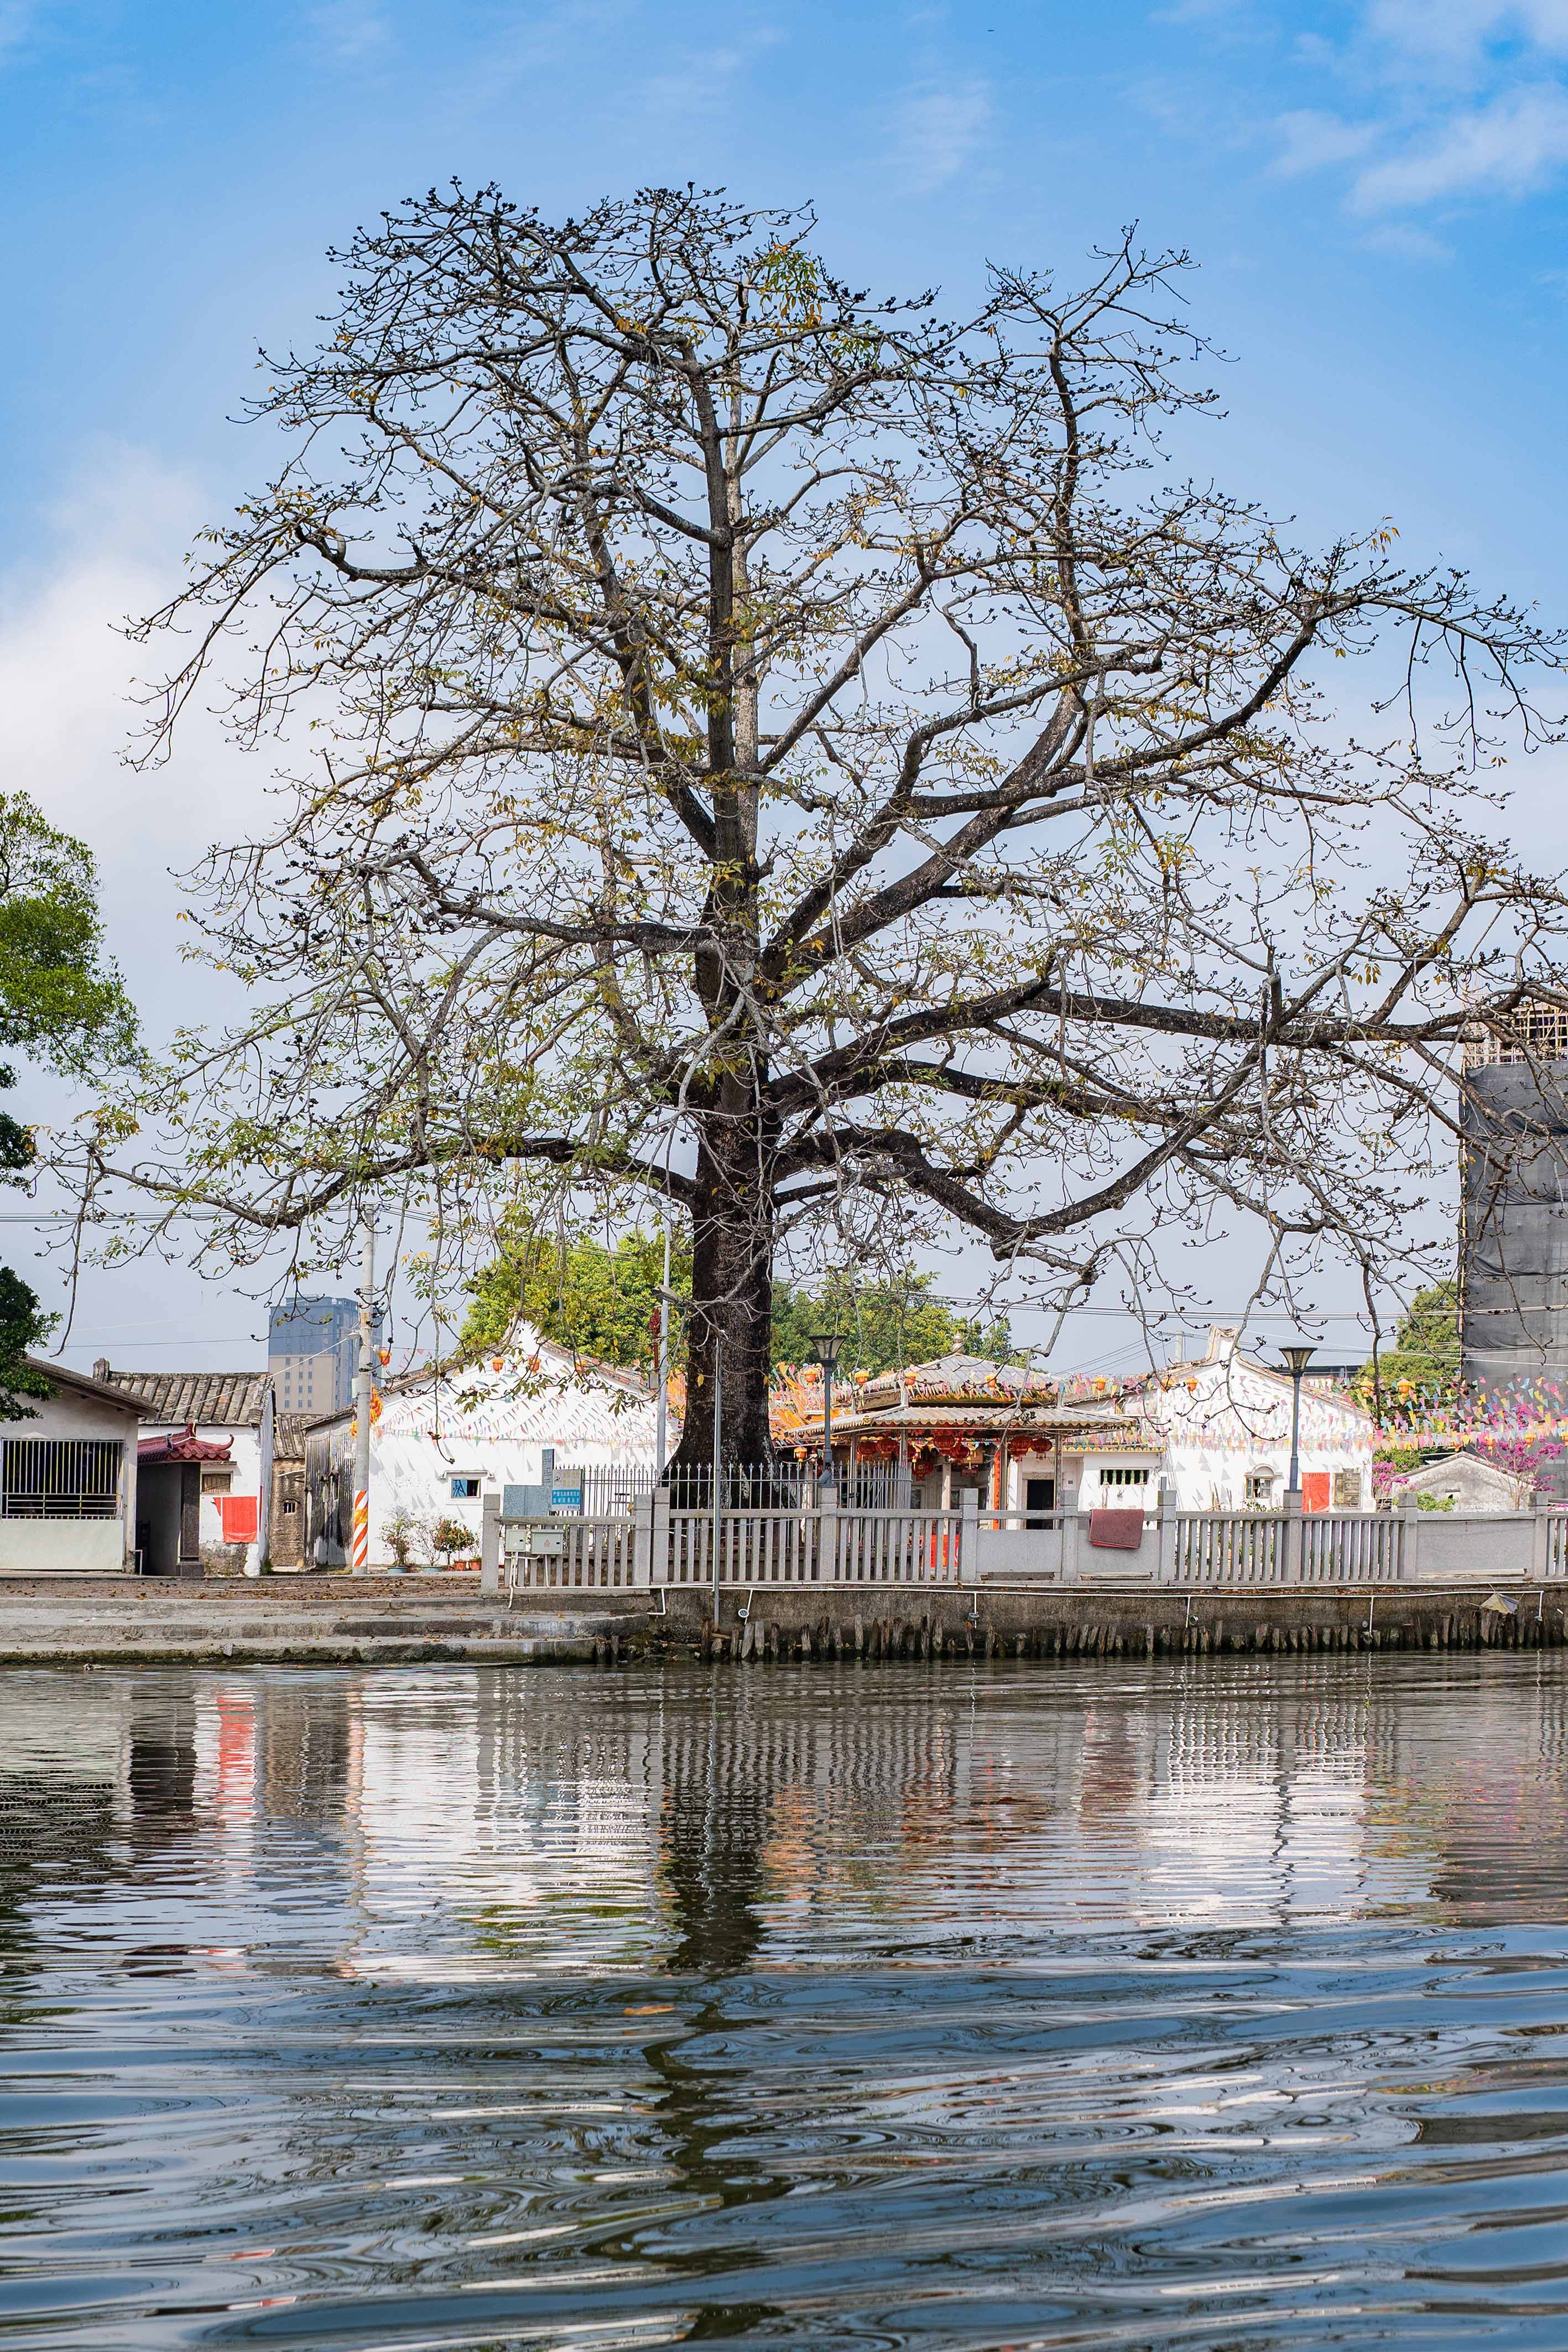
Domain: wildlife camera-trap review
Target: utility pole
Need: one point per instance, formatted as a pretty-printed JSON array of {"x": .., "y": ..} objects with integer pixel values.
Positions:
[
  {"x": 363, "y": 1389},
  {"x": 661, "y": 1366}
]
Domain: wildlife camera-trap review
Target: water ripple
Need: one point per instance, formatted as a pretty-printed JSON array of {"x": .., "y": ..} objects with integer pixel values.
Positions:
[{"x": 1220, "y": 2005}]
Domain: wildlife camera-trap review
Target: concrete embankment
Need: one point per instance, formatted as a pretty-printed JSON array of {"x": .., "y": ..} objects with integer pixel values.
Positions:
[
  {"x": 339, "y": 1619},
  {"x": 999, "y": 1622},
  {"x": 293, "y": 1621}
]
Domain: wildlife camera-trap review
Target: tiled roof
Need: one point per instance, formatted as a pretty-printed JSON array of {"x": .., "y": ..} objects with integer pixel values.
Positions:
[
  {"x": 207, "y": 1399},
  {"x": 78, "y": 1384},
  {"x": 1101, "y": 1431},
  {"x": 289, "y": 1433},
  {"x": 959, "y": 1376}
]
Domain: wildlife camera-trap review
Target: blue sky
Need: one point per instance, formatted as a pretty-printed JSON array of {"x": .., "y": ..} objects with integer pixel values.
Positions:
[{"x": 1376, "y": 193}]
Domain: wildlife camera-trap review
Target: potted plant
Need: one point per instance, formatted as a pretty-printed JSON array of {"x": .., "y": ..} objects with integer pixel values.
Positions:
[{"x": 450, "y": 1536}]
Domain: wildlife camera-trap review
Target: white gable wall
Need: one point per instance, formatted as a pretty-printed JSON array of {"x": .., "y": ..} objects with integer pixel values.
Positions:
[
  {"x": 494, "y": 1426},
  {"x": 1225, "y": 1419}
]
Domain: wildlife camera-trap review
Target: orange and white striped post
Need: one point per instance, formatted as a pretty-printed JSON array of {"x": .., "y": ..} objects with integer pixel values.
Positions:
[{"x": 359, "y": 1552}]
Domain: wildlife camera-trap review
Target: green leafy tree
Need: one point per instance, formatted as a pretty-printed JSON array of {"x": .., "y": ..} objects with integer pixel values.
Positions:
[
  {"x": 1425, "y": 1351},
  {"x": 596, "y": 1301},
  {"x": 601, "y": 1302},
  {"x": 61, "y": 1003},
  {"x": 881, "y": 1325}
]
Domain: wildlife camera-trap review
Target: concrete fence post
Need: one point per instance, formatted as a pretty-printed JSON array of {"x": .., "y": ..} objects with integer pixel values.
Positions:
[
  {"x": 969, "y": 1536},
  {"x": 490, "y": 1542},
  {"x": 1407, "y": 1561},
  {"x": 643, "y": 1506},
  {"x": 829, "y": 1533},
  {"x": 1292, "y": 1540},
  {"x": 1540, "y": 1537},
  {"x": 1072, "y": 1546},
  {"x": 1166, "y": 1531}
]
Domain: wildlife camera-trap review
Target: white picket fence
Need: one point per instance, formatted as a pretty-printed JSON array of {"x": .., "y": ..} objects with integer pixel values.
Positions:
[{"x": 658, "y": 1546}]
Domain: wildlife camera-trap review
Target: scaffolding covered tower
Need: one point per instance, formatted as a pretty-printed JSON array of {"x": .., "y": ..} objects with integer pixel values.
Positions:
[{"x": 1513, "y": 1234}]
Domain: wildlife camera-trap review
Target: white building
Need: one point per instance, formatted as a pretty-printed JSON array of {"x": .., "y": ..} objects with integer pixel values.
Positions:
[
  {"x": 67, "y": 1480},
  {"x": 1225, "y": 1422},
  {"x": 208, "y": 1506},
  {"x": 441, "y": 1440},
  {"x": 1466, "y": 1482}
]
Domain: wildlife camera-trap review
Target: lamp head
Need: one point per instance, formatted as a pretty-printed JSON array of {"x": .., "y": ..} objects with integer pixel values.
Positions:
[
  {"x": 1297, "y": 1359},
  {"x": 825, "y": 1349}
]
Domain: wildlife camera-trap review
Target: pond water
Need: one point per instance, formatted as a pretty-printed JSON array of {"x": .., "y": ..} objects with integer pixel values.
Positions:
[{"x": 1211, "y": 2004}]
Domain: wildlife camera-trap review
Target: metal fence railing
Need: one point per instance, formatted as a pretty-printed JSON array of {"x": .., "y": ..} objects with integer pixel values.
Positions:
[
  {"x": 597, "y": 1491},
  {"x": 60, "y": 1477}
]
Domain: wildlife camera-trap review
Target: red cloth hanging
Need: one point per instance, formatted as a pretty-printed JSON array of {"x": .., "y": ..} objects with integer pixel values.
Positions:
[
  {"x": 1314, "y": 1490},
  {"x": 240, "y": 1517}
]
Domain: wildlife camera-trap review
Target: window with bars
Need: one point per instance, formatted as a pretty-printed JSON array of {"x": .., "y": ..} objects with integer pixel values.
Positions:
[{"x": 59, "y": 1478}]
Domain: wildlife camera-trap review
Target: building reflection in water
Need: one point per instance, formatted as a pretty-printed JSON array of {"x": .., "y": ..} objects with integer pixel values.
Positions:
[{"x": 441, "y": 1824}]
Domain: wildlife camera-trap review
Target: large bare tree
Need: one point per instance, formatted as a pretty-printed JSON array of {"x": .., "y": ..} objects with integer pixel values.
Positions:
[{"x": 802, "y": 759}]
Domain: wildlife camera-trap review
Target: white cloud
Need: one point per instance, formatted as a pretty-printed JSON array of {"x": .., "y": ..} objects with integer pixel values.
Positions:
[
  {"x": 1406, "y": 243},
  {"x": 1312, "y": 140},
  {"x": 1510, "y": 147},
  {"x": 67, "y": 685},
  {"x": 349, "y": 28},
  {"x": 1459, "y": 32},
  {"x": 1462, "y": 100},
  {"x": 935, "y": 128},
  {"x": 16, "y": 20}
]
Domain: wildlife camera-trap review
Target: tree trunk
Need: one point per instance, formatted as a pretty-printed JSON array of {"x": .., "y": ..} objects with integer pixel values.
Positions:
[{"x": 729, "y": 1326}]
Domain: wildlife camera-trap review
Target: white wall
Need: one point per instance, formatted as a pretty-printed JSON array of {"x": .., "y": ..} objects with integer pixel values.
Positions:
[
  {"x": 494, "y": 1426},
  {"x": 1080, "y": 1489},
  {"x": 62, "y": 1547}
]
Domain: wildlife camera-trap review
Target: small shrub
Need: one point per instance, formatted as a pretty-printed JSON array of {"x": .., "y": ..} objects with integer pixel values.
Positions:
[
  {"x": 409, "y": 1538},
  {"x": 450, "y": 1536}
]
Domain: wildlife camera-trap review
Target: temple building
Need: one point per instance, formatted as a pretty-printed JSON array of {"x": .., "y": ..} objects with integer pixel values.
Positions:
[{"x": 1218, "y": 1429}]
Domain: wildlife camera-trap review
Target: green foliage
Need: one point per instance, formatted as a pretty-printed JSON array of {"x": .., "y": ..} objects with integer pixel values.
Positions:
[
  {"x": 23, "y": 1326},
  {"x": 59, "y": 1000},
  {"x": 61, "y": 1003},
  {"x": 599, "y": 1302},
  {"x": 1434, "y": 1502},
  {"x": 1403, "y": 1457},
  {"x": 1426, "y": 1350},
  {"x": 881, "y": 1325}
]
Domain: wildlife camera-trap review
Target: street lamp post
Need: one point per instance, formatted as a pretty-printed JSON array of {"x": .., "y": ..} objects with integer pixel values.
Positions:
[
  {"x": 826, "y": 1344},
  {"x": 1297, "y": 1359}
]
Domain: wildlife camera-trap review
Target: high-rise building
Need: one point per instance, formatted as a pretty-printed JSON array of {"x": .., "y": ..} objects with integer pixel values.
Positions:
[
  {"x": 1513, "y": 1236},
  {"x": 313, "y": 1353}
]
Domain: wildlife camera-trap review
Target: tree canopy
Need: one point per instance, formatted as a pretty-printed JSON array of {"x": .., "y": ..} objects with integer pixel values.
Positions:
[
  {"x": 61, "y": 1003},
  {"x": 820, "y": 766},
  {"x": 1425, "y": 1354},
  {"x": 600, "y": 1300}
]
